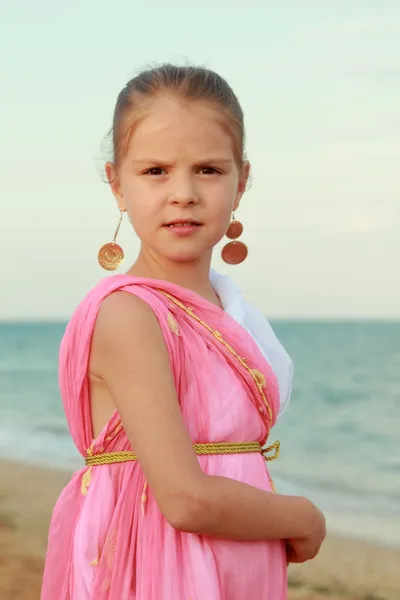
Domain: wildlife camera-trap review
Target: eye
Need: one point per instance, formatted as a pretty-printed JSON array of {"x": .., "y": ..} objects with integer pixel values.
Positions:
[
  {"x": 209, "y": 170},
  {"x": 154, "y": 171}
]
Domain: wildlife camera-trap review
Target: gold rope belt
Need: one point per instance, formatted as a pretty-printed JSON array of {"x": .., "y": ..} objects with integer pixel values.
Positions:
[{"x": 107, "y": 458}]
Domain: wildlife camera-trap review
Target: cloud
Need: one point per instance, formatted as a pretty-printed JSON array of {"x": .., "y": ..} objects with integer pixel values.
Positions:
[
  {"x": 364, "y": 50},
  {"x": 366, "y": 28}
]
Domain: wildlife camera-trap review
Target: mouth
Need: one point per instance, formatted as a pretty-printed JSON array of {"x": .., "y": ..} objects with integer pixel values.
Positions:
[{"x": 182, "y": 223}]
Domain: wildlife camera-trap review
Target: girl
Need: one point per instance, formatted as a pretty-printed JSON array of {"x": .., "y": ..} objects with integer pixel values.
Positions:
[{"x": 171, "y": 383}]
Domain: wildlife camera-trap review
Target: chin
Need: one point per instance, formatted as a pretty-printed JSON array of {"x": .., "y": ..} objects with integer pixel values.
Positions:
[
  {"x": 184, "y": 258},
  {"x": 184, "y": 255}
]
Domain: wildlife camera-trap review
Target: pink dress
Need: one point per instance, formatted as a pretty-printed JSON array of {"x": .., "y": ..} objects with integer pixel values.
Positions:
[{"x": 108, "y": 539}]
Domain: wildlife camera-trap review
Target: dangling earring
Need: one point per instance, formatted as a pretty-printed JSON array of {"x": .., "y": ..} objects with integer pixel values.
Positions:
[
  {"x": 111, "y": 255},
  {"x": 234, "y": 252}
]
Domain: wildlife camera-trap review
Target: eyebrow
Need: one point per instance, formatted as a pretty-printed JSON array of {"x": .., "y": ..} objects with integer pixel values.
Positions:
[{"x": 163, "y": 162}]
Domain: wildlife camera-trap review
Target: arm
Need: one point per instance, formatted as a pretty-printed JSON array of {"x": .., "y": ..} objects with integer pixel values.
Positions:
[{"x": 129, "y": 354}]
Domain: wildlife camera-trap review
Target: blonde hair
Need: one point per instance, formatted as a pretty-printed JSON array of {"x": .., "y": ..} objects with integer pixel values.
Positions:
[{"x": 191, "y": 83}]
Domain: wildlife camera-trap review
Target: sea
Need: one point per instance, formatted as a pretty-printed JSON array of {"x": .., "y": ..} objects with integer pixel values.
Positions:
[{"x": 340, "y": 436}]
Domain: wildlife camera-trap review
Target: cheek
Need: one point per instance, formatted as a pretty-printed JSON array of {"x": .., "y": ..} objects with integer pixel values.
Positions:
[
  {"x": 141, "y": 201},
  {"x": 223, "y": 198}
]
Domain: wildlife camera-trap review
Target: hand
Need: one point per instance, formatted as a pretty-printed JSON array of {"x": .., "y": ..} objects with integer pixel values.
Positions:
[{"x": 305, "y": 548}]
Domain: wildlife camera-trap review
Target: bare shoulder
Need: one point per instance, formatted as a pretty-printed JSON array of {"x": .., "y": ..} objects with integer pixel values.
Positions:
[
  {"x": 124, "y": 324},
  {"x": 122, "y": 308}
]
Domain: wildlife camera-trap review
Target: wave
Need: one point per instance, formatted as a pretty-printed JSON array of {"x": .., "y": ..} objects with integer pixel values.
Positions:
[
  {"x": 30, "y": 367},
  {"x": 53, "y": 427},
  {"x": 335, "y": 484}
]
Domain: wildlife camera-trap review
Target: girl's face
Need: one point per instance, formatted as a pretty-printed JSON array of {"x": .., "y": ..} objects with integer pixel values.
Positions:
[{"x": 179, "y": 181}]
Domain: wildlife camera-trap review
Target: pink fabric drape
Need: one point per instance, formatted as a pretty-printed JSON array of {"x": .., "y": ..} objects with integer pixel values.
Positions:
[{"x": 106, "y": 541}]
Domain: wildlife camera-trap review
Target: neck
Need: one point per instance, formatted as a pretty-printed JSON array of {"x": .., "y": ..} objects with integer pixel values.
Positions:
[{"x": 192, "y": 275}]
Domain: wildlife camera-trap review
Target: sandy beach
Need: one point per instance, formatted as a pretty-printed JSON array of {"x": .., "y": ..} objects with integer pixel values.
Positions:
[{"x": 346, "y": 569}]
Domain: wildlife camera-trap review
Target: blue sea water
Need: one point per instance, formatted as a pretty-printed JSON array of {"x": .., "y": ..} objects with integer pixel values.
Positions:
[{"x": 340, "y": 435}]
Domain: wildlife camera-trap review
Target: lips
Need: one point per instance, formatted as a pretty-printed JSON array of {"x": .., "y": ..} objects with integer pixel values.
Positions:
[{"x": 182, "y": 223}]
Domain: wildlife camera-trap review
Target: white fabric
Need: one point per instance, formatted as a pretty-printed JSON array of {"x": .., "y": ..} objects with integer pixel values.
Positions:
[{"x": 251, "y": 319}]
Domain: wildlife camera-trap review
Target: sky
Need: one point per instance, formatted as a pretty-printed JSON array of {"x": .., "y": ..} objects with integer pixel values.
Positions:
[{"x": 319, "y": 83}]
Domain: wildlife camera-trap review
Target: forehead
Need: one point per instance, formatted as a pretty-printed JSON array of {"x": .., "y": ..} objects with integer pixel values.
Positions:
[{"x": 177, "y": 125}]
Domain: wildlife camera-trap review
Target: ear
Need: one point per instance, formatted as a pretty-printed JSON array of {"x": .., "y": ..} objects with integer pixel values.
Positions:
[
  {"x": 242, "y": 183},
  {"x": 115, "y": 185}
]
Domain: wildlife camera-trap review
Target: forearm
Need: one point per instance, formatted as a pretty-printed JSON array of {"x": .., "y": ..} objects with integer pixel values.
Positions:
[{"x": 229, "y": 509}]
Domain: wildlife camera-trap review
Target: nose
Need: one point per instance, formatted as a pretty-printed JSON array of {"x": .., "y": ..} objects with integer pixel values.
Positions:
[{"x": 183, "y": 191}]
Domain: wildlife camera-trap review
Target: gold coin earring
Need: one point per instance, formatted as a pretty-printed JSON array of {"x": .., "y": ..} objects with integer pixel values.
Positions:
[
  {"x": 111, "y": 255},
  {"x": 234, "y": 252}
]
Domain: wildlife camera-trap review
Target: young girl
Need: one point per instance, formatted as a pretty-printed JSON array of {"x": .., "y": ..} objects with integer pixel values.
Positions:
[{"x": 171, "y": 382}]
